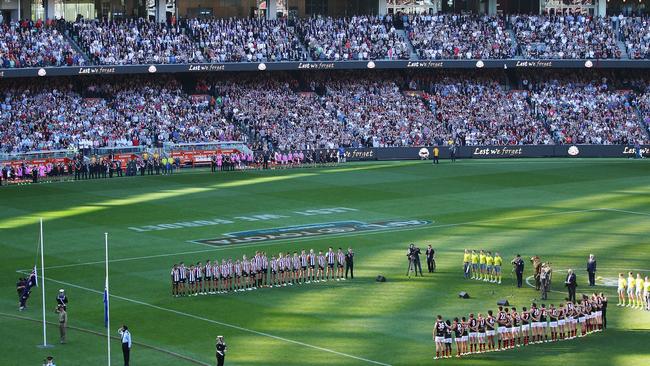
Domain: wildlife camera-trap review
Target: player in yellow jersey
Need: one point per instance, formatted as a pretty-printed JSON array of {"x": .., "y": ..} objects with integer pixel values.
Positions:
[
  {"x": 646, "y": 293},
  {"x": 622, "y": 284},
  {"x": 467, "y": 257},
  {"x": 483, "y": 264},
  {"x": 498, "y": 261},
  {"x": 639, "y": 283},
  {"x": 475, "y": 273},
  {"x": 630, "y": 289},
  {"x": 489, "y": 261}
]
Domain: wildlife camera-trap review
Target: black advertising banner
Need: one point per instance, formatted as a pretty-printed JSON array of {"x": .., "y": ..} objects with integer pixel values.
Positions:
[
  {"x": 515, "y": 151},
  {"x": 322, "y": 65}
]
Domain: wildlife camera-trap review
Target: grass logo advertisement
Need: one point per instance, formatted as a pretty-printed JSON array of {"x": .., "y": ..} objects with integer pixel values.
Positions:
[{"x": 309, "y": 230}]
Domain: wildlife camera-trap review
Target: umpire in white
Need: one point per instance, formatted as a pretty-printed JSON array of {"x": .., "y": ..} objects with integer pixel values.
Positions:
[{"x": 125, "y": 336}]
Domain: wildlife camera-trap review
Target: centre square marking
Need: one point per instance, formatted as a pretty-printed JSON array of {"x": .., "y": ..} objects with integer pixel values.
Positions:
[{"x": 309, "y": 230}]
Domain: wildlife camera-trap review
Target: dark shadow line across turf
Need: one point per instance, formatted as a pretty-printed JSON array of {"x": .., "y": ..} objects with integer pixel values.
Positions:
[{"x": 144, "y": 345}]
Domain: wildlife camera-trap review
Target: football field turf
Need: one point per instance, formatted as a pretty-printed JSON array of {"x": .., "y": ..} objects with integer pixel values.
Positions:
[{"x": 559, "y": 209}]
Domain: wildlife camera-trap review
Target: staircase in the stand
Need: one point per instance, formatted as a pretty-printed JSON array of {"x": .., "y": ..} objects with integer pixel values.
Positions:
[
  {"x": 621, "y": 46},
  {"x": 513, "y": 37},
  {"x": 644, "y": 125},
  {"x": 402, "y": 33},
  {"x": 72, "y": 39}
]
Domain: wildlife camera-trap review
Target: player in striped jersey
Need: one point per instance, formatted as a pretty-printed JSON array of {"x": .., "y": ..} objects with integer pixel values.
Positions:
[
  {"x": 331, "y": 258},
  {"x": 321, "y": 267},
  {"x": 216, "y": 277},
  {"x": 303, "y": 266},
  {"x": 273, "y": 263},
  {"x": 207, "y": 285},
  {"x": 192, "y": 280},
  {"x": 238, "y": 273},
  {"x": 253, "y": 272},
  {"x": 281, "y": 274},
  {"x": 246, "y": 268},
  {"x": 311, "y": 259},
  {"x": 340, "y": 263},
  {"x": 287, "y": 269},
  {"x": 182, "y": 271},
  {"x": 175, "y": 280},
  {"x": 265, "y": 270},
  {"x": 199, "y": 278},
  {"x": 295, "y": 270},
  {"x": 225, "y": 275}
]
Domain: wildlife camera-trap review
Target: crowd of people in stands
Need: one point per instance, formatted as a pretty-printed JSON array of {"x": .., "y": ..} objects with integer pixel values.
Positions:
[
  {"x": 121, "y": 113},
  {"x": 636, "y": 33},
  {"x": 582, "y": 110},
  {"x": 35, "y": 44},
  {"x": 432, "y": 37},
  {"x": 245, "y": 40},
  {"x": 565, "y": 37},
  {"x": 355, "y": 38},
  {"x": 134, "y": 41},
  {"x": 460, "y": 37}
]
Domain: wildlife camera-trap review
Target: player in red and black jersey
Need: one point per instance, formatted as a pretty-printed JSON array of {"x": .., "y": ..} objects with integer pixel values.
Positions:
[
  {"x": 439, "y": 329},
  {"x": 491, "y": 323},
  {"x": 481, "y": 325},
  {"x": 525, "y": 325},
  {"x": 473, "y": 334}
]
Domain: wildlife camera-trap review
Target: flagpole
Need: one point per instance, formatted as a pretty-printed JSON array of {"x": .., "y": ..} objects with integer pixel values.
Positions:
[
  {"x": 43, "y": 286},
  {"x": 108, "y": 317}
]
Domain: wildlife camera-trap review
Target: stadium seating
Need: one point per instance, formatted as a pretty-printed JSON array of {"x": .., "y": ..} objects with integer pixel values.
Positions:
[
  {"x": 426, "y": 37},
  {"x": 293, "y": 111}
]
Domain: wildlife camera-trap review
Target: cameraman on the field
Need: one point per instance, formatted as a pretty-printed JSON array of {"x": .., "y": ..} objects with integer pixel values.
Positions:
[{"x": 413, "y": 255}]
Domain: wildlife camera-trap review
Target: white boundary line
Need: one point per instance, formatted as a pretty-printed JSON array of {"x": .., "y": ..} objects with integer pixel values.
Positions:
[
  {"x": 626, "y": 211},
  {"x": 269, "y": 243},
  {"x": 217, "y": 322}
]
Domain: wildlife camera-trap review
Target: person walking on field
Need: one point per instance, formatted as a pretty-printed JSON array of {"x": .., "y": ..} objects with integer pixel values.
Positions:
[{"x": 349, "y": 263}]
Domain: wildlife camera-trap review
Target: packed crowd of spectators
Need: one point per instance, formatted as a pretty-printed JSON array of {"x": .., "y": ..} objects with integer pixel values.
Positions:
[
  {"x": 292, "y": 112},
  {"x": 635, "y": 32},
  {"x": 438, "y": 37},
  {"x": 135, "y": 41},
  {"x": 356, "y": 38},
  {"x": 582, "y": 110},
  {"x": 107, "y": 114},
  {"x": 361, "y": 37},
  {"x": 35, "y": 44},
  {"x": 481, "y": 111},
  {"x": 239, "y": 40},
  {"x": 565, "y": 37}
]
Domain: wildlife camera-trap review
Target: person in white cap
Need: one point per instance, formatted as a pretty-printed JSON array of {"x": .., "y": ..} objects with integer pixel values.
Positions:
[
  {"x": 221, "y": 350},
  {"x": 62, "y": 299}
]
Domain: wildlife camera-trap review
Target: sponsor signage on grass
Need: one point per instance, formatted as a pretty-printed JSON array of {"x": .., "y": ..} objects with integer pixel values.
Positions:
[{"x": 309, "y": 231}]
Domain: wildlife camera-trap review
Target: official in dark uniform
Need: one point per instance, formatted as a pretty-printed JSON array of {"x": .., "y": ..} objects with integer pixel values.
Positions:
[
  {"x": 125, "y": 336},
  {"x": 221, "y": 351},
  {"x": 431, "y": 261},
  {"x": 519, "y": 269},
  {"x": 62, "y": 299},
  {"x": 349, "y": 263},
  {"x": 591, "y": 269},
  {"x": 571, "y": 284}
]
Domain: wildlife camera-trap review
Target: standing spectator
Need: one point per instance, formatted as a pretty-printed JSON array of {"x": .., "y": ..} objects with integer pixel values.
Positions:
[
  {"x": 431, "y": 260},
  {"x": 63, "y": 322},
  {"x": 349, "y": 263},
  {"x": 571, "y": 285},
  {"x": 519, "y": 269},
  {"x": 221, "y": 350},
  {"x": 125, "y": 336},
  {"x": 591, "y": 269}
]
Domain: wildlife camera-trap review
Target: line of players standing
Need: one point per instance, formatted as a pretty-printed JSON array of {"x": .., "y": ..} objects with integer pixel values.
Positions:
[
  {"x": 260, "y": 271},
  {"x": 516, "y": 329}
]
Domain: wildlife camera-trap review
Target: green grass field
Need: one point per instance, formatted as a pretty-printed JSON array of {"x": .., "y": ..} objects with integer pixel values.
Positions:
[{"x": 561, "y": 210}]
